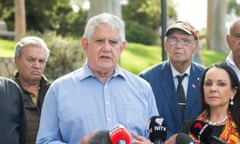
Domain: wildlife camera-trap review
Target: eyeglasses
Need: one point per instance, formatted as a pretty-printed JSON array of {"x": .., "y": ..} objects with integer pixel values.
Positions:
[{"x": 182, "y": 41}]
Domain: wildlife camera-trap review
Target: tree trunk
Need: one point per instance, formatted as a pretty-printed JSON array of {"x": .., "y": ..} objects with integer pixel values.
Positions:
[
  {"x": 110, "y": 6},
  {"x": 20, "y": 20},
  {"x": 209, "y": 23},
  {"x": 216, "y": 25}
]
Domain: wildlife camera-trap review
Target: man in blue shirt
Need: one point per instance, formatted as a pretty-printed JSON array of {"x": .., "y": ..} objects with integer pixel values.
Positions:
[{"x": 100, "y": 94}]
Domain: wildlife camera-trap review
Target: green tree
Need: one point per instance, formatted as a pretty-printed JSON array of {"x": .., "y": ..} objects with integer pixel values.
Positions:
[
  {"x": 38, "y": 14},
  {"x": 47, "y": 15},
  {"x": 4, "y": 8},
  {"x": 233, "y": 5},
  {"x": 147, "y": 12},
  {"x": 70, "y": 23},
  {"x": 143, "y": 18}
]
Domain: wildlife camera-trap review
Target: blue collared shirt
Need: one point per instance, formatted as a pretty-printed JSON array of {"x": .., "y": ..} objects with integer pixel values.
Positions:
[{"x": 78, "y": 103}]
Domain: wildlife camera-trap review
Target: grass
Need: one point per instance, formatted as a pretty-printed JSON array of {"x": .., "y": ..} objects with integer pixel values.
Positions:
[
  {"x": 6, "y": 48},
  {"x": 135, "y": 58},
  {"x": 210, "y": 56}
]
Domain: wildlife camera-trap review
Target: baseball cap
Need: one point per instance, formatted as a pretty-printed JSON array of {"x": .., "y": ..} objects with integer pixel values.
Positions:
[{"x": 183, "y": 26}]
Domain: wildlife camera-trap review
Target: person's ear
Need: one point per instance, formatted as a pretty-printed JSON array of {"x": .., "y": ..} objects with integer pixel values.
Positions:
[
  {"x": 84, "y": 42},
  {"x": 123, "y": 45}
]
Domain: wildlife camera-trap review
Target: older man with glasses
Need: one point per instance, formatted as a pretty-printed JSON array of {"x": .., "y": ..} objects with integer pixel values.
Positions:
[{"x": 175, "y": 82}]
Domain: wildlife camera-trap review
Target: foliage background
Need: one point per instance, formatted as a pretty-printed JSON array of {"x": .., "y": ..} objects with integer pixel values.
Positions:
[
  {"x": 67, "y": 55},
  {"x": 59, "y": 17},
  {"x": 61, "y": 27}
]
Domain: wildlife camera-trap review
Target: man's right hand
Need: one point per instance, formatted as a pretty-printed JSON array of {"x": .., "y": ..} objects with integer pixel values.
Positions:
[{"x": 87, "y": 137}]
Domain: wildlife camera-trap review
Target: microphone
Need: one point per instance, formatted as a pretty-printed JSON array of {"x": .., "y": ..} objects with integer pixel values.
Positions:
[
  {"x": 100, "y": 137},
  {"x": 183, "y": 138},
  {"x": 157, "y": 129},
  {"x": 120, "y": 135},
  {"x": 204, "y": 133}
]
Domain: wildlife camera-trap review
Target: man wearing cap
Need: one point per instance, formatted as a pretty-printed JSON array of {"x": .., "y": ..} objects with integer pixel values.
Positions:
[{"x": 177, "y": 103}]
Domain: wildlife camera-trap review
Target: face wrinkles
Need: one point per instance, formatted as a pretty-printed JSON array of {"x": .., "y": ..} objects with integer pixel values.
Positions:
[
  {"x": 180, "y": 52},
  {"x": 106, "y": 46},
  {"x": 31, "y": 64},
  {"x": 217, "y": 88},
  {"x": 104, "y": 49}
]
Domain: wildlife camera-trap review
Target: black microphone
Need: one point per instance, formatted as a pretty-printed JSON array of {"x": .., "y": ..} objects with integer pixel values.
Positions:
[
  {"x": 157, "y": 129},
  {"x": 100, "y": 137},
  {"x": 183, "y": 138},
  {"x": 203, "y": 132}
]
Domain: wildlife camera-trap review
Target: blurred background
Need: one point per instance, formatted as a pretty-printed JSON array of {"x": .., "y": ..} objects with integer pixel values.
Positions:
[{"x": 61, "y": 23}]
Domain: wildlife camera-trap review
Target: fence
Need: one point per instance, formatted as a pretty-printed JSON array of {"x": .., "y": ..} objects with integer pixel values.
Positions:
[{"x": 7, "y": 67}]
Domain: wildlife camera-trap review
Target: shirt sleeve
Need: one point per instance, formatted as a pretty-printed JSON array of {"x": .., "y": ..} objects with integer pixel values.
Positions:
[{"x": 49, "y": 131}]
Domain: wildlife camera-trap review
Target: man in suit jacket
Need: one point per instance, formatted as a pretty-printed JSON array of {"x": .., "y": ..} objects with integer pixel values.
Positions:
[{"x": 181, "y": 42}]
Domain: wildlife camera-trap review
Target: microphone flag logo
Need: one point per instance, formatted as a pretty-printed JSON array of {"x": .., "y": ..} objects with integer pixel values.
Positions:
[{"x": 198, "y": 125}]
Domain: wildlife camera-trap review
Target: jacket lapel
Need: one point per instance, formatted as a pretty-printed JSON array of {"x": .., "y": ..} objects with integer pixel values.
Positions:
[{"x": 193, "y": 89}]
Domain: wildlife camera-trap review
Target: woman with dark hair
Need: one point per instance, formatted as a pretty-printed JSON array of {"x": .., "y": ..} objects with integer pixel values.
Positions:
[
  {"x": 220, "y": 96},
  {"x": 220, "y": 115}
]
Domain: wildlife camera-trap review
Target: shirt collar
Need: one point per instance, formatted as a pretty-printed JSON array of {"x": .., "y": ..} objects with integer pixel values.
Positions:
[
  {"x": 229, "y": 59},
  {"x": 85, "y": 72},
  {"x": 175, "y": 72},
  {"x": 43, "y": 82}
]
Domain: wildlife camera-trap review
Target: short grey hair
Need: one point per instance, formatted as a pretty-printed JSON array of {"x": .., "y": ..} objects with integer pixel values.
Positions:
[
  {"x": 30, "y": 41},
  {"x": 105, "y": 18}
]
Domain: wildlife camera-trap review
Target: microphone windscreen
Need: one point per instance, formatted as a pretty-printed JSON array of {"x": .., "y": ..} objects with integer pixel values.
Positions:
[
  {"x": 100, "y": 137},
  {"x": 196, "y": 127},
  {"x": 202, "y": 131},
  {"x": 183, "y": 138},
  {"x": 120, "y": 135},
  {"x": 157, "y": 129}
]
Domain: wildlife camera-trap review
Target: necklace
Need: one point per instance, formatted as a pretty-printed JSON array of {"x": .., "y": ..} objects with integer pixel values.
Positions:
[{"x": 217, "y": 122}]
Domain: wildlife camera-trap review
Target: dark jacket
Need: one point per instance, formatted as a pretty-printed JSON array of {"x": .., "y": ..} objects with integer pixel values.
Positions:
[
  {"x": 33, "y": 111},
  {"x": 12, "y": 119},
  {"x": 161, "y": 79}
]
